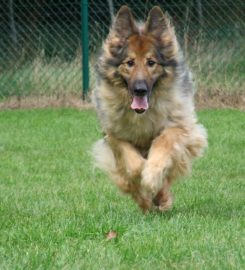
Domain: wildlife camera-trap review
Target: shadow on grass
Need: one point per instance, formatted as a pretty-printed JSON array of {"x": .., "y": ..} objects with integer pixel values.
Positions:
[{"x": 206, "y": 209}]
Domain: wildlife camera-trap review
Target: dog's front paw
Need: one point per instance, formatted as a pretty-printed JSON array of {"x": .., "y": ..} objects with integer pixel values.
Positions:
[
  {"x": 152, "y": 180},
  {"x": 163, "y": 200}
]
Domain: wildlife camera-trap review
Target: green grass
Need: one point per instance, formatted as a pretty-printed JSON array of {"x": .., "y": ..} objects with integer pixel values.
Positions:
[{"x": 55, "y": 209}]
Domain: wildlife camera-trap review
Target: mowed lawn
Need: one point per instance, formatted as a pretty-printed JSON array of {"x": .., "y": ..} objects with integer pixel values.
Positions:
[{"x": 56, "y": 209}]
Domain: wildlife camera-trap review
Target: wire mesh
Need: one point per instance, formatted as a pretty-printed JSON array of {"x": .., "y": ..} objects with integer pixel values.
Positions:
[
  {"x": 40, "y": 48},
  {"x": 40, "y": 42}
]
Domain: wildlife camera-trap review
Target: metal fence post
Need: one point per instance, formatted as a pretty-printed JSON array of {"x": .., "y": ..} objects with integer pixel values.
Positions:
[{"x": 85, "y": 47}]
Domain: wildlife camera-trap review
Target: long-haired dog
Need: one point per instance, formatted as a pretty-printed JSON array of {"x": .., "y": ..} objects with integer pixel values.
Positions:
[{"x": 144, "y": 100}]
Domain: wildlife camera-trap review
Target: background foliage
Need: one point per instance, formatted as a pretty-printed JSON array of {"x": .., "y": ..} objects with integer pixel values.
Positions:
[{"x": 40, "y": 43}]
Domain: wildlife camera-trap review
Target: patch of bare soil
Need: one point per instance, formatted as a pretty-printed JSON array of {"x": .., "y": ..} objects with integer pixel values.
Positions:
[
  {"x": 31, "y": 102},
  {"x": 202, "y": 101},
  {"x": 217, "y": 100}
]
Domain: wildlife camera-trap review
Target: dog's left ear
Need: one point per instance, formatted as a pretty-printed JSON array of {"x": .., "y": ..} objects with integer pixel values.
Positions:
[{"x": 157, "y": 22}]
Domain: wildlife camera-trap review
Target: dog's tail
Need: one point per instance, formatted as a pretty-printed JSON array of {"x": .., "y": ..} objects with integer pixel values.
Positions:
[{"x": 104, "y": 158}]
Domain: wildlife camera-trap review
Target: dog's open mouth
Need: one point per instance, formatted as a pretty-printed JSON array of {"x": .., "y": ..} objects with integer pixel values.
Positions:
[{"x": 140, "y": 104}]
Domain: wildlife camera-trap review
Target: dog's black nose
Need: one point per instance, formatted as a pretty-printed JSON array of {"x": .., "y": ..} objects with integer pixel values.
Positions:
[{"x": 140, "y": 88}]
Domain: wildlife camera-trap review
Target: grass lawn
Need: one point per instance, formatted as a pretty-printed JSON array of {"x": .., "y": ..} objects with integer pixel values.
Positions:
[{"x": 56, "y": 210}]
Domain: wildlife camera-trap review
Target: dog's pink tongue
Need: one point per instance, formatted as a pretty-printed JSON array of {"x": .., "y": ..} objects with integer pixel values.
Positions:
[{"x": 139, "y": 103}]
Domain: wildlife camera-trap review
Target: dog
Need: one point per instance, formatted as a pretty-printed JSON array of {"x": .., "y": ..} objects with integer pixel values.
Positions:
[{"x": 144, "y": 101}]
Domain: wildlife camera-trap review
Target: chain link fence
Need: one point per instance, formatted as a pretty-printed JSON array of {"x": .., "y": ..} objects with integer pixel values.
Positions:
[{"x": 40, "y": 43}]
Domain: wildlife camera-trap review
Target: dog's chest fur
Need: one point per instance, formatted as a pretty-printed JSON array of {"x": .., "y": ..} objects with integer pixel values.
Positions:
[
  {"x": 117, "y": 119},
  {"x": 140, "y": 130}
]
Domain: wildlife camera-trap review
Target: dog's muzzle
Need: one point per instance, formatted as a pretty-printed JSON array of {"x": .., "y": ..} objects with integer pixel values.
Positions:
[{"x": 140, "y": 97}]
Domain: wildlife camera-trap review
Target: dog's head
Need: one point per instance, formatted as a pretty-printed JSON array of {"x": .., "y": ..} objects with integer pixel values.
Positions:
[{"x": 139, "y": 55}]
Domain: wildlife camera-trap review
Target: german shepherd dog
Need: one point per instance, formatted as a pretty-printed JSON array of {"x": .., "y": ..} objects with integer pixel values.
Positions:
[{"x": 144, "y": 101}]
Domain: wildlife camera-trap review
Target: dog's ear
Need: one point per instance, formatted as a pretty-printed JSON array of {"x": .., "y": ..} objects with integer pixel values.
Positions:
[
  {"x": 159, "y": 26},
  {"x": 124, "y": 24},
  {"x": 157, "y": 22}
]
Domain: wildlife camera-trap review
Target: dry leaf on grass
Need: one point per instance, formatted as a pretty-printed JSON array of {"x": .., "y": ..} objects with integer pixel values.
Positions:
[{"x": 111, "y": 235}]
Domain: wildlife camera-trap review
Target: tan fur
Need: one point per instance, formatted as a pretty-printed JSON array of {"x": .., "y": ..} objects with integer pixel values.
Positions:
[{"x": 143, "y": 154}]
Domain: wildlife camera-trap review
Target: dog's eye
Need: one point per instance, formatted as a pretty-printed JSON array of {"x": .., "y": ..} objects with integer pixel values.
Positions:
[
  {"x": 150, "y": 63},
  {"x": 130, "y": 63}
]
